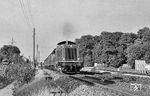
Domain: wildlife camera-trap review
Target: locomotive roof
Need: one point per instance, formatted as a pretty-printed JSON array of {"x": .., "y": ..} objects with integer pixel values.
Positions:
[{"x": 66, "y": 42}]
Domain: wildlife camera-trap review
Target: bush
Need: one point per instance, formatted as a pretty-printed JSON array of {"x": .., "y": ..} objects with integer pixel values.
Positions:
[
  {"x": 17, "y": 68},
  {"x": 26, "y": 78},
  {"x": 29, "y": 76},
  {"x": 20, "y": 71},
  {"x": 35, "y": 87},
  {"x": 4, "y": 82}
]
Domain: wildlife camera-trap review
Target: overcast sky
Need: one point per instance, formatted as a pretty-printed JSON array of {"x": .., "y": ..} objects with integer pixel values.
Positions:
[{"x": 57, "y": 20}]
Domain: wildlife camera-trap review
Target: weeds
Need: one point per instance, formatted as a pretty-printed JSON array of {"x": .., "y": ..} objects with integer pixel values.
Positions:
[{"x": 35, "y": 87}]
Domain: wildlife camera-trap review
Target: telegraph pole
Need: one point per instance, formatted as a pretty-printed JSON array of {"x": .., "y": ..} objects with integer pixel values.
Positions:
[
  {"x": 12, "y": 41},
  {"x": 34, "y": 48}
]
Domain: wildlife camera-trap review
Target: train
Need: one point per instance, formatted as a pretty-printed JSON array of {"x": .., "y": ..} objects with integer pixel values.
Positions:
[{"x": 65, "y": 58}]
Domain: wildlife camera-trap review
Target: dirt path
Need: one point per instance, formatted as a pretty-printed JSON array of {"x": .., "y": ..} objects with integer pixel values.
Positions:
[
  {"x": 7, "y": 91},
  {"x": 39, "y": 74}
]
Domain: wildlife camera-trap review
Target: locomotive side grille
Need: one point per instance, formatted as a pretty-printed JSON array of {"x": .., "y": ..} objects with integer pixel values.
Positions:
[{"x": 70, "y": 53}]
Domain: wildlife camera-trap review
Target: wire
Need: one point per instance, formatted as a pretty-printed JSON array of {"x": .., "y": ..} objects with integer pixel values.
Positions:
[
  {"x": 25, "y": 13},
  {"x": 30, "y": 12}
]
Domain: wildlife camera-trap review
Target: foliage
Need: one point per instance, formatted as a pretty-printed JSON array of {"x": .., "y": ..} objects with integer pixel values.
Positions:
[
  {"x": 17, "y": 67},
  {"x": 107, "y": 51},
  {"x": 146, "y": 50},
  {"x": 115, "y": 48},
  {"x": 8, "y": 51},
  {"x": 134, "y": 52},
  {"x": 128, "y": 39},
  {"x": 88, "y": 60},
  {"x": 117, "y": 60},
  {"x": 111, "y": 36},
  {"x": 138, "y": 52},
  {"x": 97, "y": 53},
  {"x": 144, "y": 34},
  {"x": 34, "y": 87},
  {"x": 20, "y": 71},
  {"x": 86, "y": 44}
]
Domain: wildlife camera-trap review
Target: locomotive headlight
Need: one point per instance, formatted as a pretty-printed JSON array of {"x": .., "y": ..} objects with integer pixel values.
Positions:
[
  {"x": 78, "y": 58},
  {"x": 63, "y": 58}
]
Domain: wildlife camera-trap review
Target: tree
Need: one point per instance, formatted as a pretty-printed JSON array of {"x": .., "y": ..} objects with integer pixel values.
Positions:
[
  {"x": 128, "y": 39},
  {"x": 97, "y": 39},
  {"x": 88, "y": 59},
  {"x": 8, "y": 51},
  {"x": 142, "y": 33},
  {"x": 97, "y": 52},
  {"x": 117, "y": 60},
  {"x": 111, "y": 36},
  {"x": 134, "y": 52},
  {"x": 146, "y": 51},
  {"x": 116, "y": 48},
  {"x": 86, "y": 44},
  {"x": 108, "y": 49}
]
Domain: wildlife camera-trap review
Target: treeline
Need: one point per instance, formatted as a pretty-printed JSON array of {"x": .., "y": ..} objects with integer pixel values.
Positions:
[{"x": 115, "y": 48}]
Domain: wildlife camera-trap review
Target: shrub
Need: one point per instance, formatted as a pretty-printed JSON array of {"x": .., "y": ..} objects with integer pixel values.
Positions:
[
  {"x": 20, "y": 71},
  {"x": 26, "y": 78}
]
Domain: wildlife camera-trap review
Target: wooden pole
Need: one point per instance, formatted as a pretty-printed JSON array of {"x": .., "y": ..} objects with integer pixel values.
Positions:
[{"x": 34, "y": 48}]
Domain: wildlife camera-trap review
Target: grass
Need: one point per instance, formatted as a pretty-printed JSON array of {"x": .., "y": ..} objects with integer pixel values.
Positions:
[
  {"x": 48, "y": 86},
  {"x": 68, "y": 84},
  {"x": 4, "y": 82},
  {"x": 42, "y": 93},
  {"x": 123, "y": 83},
  {"x": 35, "y": 87}
]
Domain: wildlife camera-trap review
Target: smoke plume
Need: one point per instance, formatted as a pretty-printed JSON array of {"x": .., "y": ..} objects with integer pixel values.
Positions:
[{"x": 68, "y": 30}]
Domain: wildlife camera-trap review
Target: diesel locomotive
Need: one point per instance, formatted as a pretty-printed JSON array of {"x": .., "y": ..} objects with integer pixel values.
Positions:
[{"x": 65, "y": 57}]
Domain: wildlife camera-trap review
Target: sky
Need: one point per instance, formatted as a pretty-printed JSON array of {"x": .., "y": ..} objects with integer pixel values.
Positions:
[{"x": 57, "y": 20}]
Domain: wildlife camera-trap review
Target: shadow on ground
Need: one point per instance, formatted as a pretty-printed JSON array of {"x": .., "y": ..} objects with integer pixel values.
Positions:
[{"x": 100, "y": 81}]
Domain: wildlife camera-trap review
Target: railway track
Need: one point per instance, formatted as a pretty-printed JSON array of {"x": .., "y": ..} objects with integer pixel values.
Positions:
[
  {"x": 91, "y": 81},
  {"x": 112, "y": 72}
]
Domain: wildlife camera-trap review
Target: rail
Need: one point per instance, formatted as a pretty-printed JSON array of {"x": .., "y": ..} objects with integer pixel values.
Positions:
[{"x": 87, "y": 80}]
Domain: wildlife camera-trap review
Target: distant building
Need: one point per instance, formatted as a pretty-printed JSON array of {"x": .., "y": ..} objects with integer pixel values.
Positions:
[
  {"x": 98, "y": 64},
  {"x": 125, "y": 66},
  {"x": 140, "y": 66}
]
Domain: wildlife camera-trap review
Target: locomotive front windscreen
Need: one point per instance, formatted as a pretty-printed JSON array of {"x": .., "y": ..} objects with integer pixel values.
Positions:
[{"x": 70, "y": 53}]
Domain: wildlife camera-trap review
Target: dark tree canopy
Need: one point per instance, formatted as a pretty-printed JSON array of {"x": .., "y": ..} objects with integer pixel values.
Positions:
[
  {"x": 128, "y": 39},
  {"x": 9, "y": 49},
  {"x": 142, "y": 32},
  {"x": 86, "y": 44},
  {"x": 115, "y": 48},
  {"x": 8, "y": 52}
]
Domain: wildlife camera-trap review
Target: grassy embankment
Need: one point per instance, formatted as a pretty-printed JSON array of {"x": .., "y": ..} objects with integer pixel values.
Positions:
[{"x": 46, "y": 86}]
